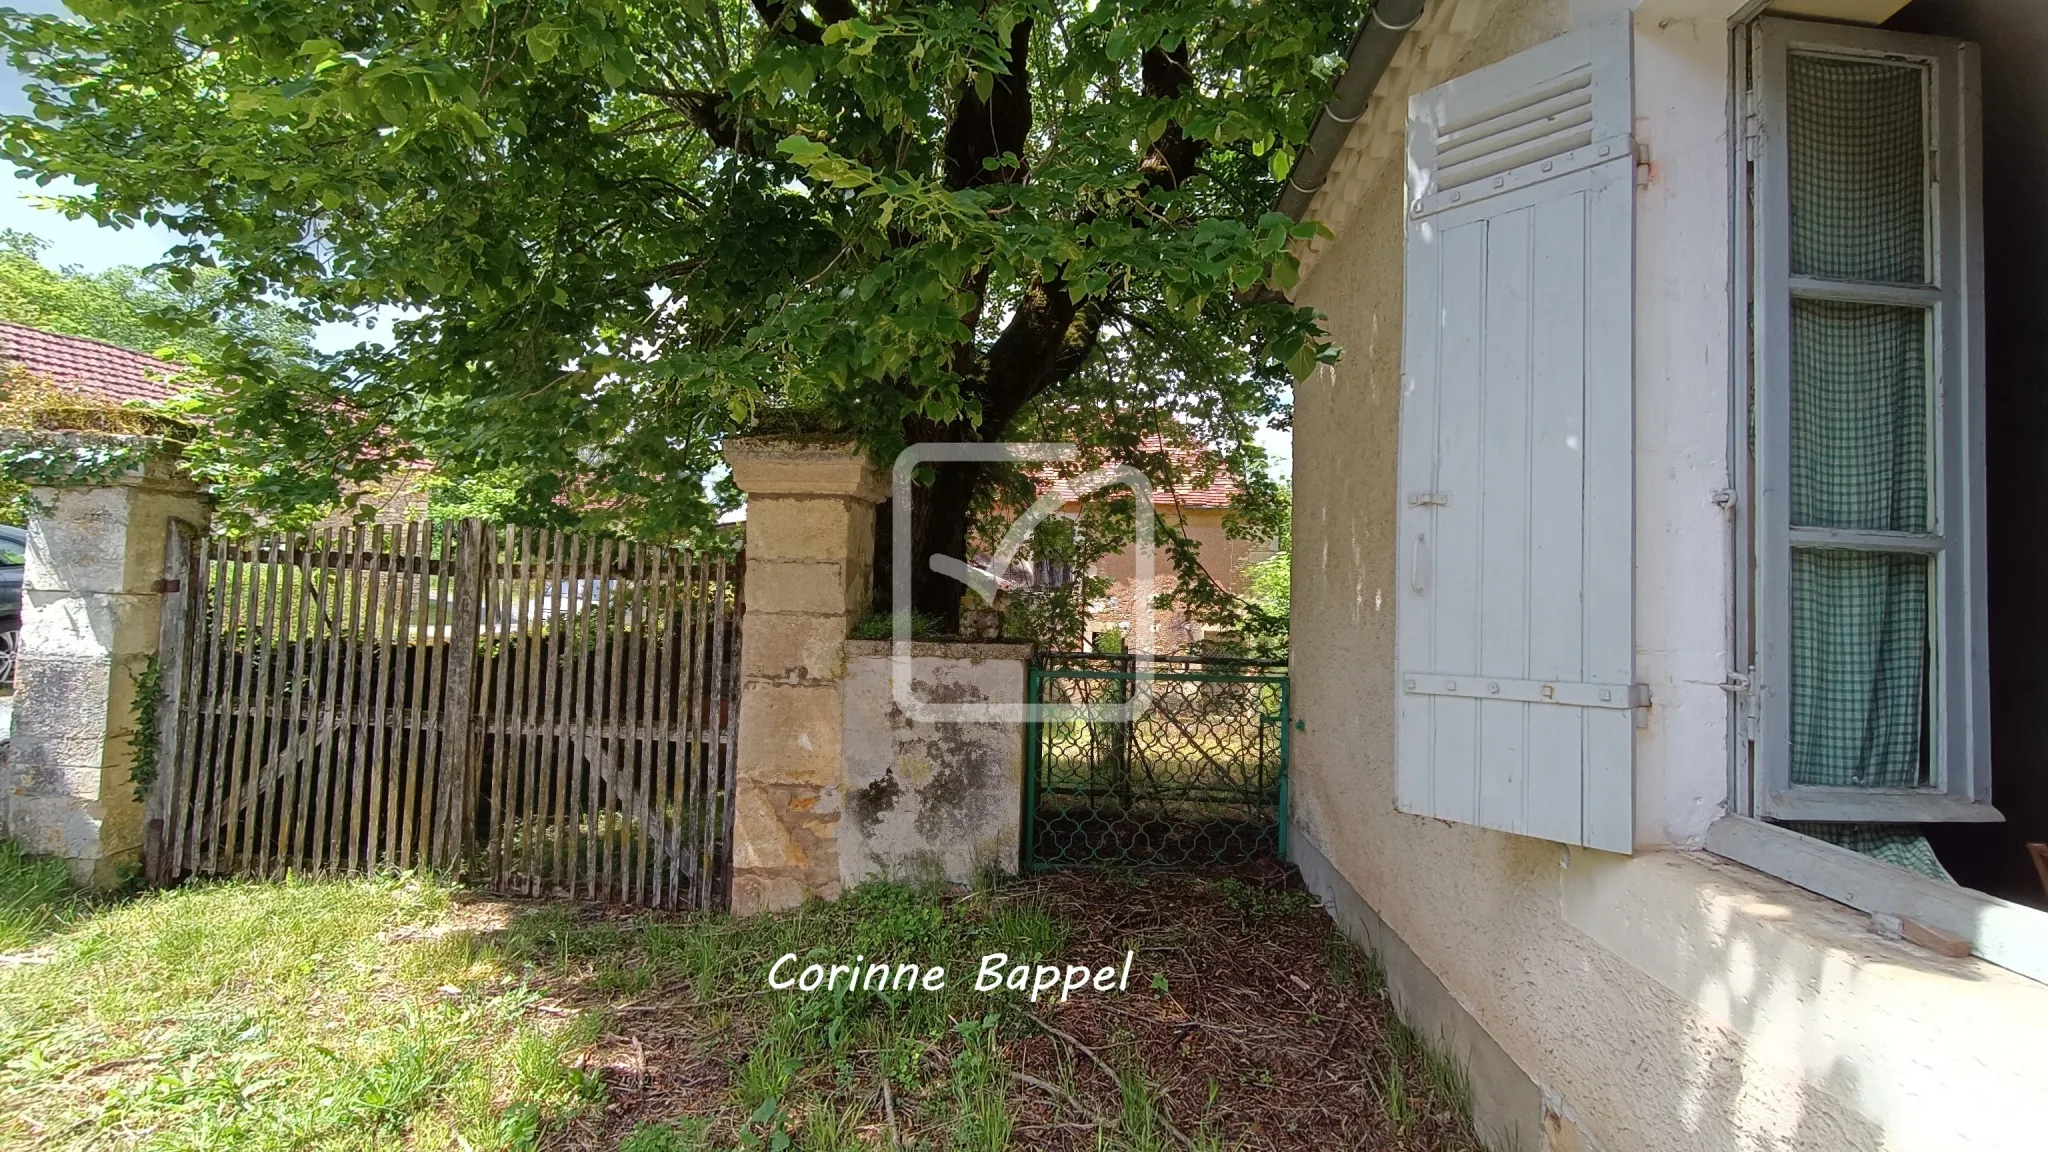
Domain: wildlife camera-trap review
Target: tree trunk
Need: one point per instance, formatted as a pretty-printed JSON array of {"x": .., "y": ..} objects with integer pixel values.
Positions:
[{"x": 939, "y": 520}]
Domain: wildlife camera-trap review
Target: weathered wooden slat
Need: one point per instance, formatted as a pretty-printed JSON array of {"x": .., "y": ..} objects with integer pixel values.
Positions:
[
  {"x": 534, "y": 545},
  {"x": 324, "y": 698},
  {"x": 178, "y": 801},
  {"x": 691, "y": 764},
  {"x": 602, "y": 599},
  {"x": 568, "y": 757},
  {"x": 376, "y": 647},
  {"x": 172, "y": 649},
  {"x": 199, "y": 764},
  {"x": 457, "y": 755},
  {"x": 198, "y": 630},
  {"x": 409, "y": 660},
  {"x": 652, "y": 691},
  {"x": 356, "y": 651},
  {"x": 719, "y": 867},
  {"x": 554, "y": 704},
  {"x": 220, "y": 831},
  {"x": 497, "y": 646},
  {"x": 633, "y": 857},
  {"x": 299, "y": 716},
  {"x": 263, "y": 797}
]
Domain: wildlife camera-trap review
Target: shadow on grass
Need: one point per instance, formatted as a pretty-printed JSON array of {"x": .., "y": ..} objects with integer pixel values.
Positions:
[
  {"x": 1247, "y": 1023},
  {"x": 401, "y": 1011}
]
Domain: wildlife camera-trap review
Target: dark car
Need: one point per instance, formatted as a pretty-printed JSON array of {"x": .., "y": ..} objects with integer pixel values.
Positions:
[{"x": 13, "y": 554}]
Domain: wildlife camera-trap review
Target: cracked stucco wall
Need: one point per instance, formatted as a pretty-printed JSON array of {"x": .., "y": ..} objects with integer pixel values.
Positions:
[{"x": 931, "y": 801}]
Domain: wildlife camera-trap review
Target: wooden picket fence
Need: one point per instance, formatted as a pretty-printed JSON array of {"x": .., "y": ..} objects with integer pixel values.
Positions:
[{"x": 543, "y": 712}]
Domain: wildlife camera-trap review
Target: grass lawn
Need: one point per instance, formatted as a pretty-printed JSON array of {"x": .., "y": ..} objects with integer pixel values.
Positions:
[{"x": 401, "y": 1011}]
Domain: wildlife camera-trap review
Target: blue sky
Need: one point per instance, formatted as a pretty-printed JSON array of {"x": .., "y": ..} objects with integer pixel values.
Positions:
[
  {"x": 79, "y": 242},
  {"x": 82, "y": 242}
]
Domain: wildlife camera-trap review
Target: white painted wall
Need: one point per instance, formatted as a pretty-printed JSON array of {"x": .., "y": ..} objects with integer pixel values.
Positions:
[
  {"x": 1669, "y": 1001},
  {"x": 1684, "y": 604}
]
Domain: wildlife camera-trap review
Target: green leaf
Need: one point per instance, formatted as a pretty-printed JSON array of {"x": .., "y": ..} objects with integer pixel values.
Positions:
[
  {"x": 1280, "y": 163},
  {"x": 1302, "y": 363},
  {"x": 543, "y": 43},
  {"x": 984, "y": 85}
]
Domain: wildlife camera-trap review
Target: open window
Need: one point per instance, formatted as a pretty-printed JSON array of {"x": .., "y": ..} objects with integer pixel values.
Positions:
[{"x": 1867, "y": 706}]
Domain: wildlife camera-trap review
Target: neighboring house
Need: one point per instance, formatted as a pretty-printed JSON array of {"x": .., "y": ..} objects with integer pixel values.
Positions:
[
  {"x": 1666, "y": 632},
  {"x": 1195, "y": 509},
  {"x": 85, "y": 366},
  {"x": 115, "y": 374}
]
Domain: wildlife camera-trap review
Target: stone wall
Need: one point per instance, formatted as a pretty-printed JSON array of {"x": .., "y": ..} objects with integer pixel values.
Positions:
[
  {"x": 836, "y": 784},
  {"x": 91, "y": 611},
  {"x": 931, "y": 801},
  {"x": 810, "y": 563}
]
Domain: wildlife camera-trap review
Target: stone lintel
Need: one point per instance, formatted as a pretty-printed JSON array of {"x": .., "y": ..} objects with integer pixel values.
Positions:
[{"x": 798, "y": 466}]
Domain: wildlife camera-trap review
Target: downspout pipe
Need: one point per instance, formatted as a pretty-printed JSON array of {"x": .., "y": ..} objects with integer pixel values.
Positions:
[{"x": 1370, "y": 54}]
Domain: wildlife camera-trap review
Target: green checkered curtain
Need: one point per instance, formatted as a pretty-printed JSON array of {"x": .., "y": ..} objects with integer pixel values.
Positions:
[
  {"x": 1862, "y": 430},
  {"x": 1900, "y": 844},
  {"x": 1858, "y": 147}
]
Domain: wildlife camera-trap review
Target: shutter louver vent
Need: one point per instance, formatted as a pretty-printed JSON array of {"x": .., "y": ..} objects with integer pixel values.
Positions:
[
  {"x": 1549, "y": 122},
  {"x": 1480, "y": 137}
]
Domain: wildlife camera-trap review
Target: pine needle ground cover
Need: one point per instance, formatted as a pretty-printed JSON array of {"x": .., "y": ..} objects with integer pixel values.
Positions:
[{"x": 403, "y": 1012}]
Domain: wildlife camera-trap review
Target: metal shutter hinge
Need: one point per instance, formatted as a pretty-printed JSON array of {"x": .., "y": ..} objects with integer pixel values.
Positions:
[
  {"x": 1724, "y": 499},
  {"x": 1639, "y": 700},
  {"x": 1428, "y": 500}
]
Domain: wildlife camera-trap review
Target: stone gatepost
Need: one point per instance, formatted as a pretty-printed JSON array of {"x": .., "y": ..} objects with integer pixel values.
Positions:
[
  {"x": 92, "y": 598},
  {"x": 810, "y": 568}
]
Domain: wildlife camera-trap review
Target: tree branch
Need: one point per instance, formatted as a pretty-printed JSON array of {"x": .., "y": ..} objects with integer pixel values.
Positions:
[
  {"x": 983, "y": 130},
  {"x": 1173, "y": 156},
  {"x": 711, "y": 114},
  {"x": 833, "y": 11},
  {"x": 784, "y": 17}
]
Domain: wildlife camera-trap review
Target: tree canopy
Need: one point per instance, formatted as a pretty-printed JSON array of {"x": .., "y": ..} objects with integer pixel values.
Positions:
[{"x": 618, "y": 231}]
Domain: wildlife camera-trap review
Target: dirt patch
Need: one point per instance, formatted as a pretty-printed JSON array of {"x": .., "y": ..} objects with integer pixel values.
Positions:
[{"x": 1247, "y": 1024}]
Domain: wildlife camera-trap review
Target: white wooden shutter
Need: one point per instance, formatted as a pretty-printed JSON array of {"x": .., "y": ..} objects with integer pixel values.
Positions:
[{"x": 1514, "y": 638}]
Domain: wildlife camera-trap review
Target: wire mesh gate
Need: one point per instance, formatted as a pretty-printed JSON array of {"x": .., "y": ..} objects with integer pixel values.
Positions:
[
  {"x": 546, "y": 712},
  {"x": 1195, "y": 771}
]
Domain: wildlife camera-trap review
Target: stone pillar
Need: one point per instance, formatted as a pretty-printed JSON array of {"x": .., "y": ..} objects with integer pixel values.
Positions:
[
  {"x": 91, "y": 608},
  {"x": 810, "y": 567}
]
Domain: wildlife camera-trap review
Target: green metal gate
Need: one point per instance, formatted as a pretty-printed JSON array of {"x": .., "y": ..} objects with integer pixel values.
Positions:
[{"x": 1155, "y": 760}]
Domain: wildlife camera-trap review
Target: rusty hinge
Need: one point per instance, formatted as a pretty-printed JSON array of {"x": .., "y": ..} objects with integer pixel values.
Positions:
[{"x": 167, "y": 586}]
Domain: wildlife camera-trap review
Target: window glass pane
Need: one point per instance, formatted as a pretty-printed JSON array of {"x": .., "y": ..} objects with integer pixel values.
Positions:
[
  {"x": 1857, "y": 140},
  {"x": 1861, "y": 417},
  {"x": 1859, "y": 668}
]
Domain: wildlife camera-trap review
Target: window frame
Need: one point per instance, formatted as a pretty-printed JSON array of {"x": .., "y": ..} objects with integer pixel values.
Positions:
[{"x": 1958, "y": 713}]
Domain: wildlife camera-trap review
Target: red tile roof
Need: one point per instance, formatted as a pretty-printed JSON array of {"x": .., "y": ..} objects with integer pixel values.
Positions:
[
  {"x": 1185, "y": 462},
  {"x": 1191, "y": 462},
  {"x": 92, "y": 367}
]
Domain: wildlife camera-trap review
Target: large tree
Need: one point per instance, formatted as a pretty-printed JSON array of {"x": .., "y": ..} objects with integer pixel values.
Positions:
[{"x": 617, "y": 231}]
